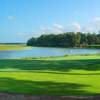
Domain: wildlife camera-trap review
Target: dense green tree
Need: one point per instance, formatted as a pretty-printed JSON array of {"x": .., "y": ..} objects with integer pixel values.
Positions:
[
  {"x": 83, "y": 41},
  {"x": 77, "y": 39},
  {"x": 31, "y": 42},
  {"x": 68, "y": 39}
]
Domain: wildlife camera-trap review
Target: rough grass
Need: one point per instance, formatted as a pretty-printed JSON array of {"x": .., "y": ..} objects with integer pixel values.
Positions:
[{"x": 69, "y": 75}]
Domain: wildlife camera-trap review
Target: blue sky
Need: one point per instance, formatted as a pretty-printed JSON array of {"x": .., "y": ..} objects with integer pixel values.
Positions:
[{"x": 22, "y": 19}]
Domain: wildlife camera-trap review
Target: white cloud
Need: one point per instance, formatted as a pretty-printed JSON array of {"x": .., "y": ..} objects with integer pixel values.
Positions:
[
  {"x": 93, "y": 25},
  {"x": 87, "y": 29},
  {"x": 23, "y": 35},
  {"x": 75, "y": 27},
  {"x": 11, "y": 17},
  {"x": 55, "y": 28},
  {"x": 46, "y": 30},
  {"x": 96, "y": 19},
  {"x": 58, "y": 26},
  {"x": 96, "y": 23}
]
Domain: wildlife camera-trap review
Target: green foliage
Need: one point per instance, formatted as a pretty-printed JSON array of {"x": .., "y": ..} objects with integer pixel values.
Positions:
[
  {"x": 68, "y": 39},
  {"x": 77, "y": 39},
  {"x": 94, "y": 46},
  {"x": 31, "y": 42}
]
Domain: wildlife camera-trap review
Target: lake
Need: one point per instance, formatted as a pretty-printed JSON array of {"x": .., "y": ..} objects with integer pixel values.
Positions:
[{"x": 44, "y": 52}]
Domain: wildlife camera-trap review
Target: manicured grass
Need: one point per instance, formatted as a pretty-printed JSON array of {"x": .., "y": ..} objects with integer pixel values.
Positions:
[
  {"x": 12, "y": 47},
  {"x": 68, "y": 75}
]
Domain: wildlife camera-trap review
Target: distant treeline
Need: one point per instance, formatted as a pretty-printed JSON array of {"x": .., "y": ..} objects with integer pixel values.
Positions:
[{"x": 68, "y": 39}]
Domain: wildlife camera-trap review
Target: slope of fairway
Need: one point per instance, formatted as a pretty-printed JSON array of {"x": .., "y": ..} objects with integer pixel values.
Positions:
[{"x": 69, "y": 75}]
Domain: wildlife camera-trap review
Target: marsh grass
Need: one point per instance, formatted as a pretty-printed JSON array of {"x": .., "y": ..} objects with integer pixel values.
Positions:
[{"x": 13, "y": 47}]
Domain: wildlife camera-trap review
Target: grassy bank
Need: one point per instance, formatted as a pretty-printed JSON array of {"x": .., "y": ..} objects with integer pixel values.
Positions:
[
  {"x": 69, "y": 75},
  {"x": 94, "y": 46},
  {"x": 12, "y": 46}
]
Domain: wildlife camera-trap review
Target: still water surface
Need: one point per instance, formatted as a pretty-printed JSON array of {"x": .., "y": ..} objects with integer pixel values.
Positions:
[{"x": 45, "y": 52}]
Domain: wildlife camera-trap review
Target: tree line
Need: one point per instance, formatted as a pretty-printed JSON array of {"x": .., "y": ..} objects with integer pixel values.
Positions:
[{"x": 68, "y": 39}]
